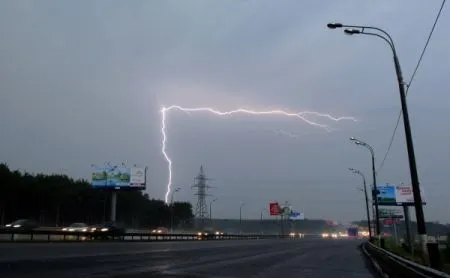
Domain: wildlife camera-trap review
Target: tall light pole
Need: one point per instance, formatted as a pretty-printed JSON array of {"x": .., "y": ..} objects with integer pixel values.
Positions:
[
  {"x": 374, "y": 174},
  {"x": 240, "y": 216},
  {"x": 354, "y": 171},
  {"x": 210, "y": 210},
  {"x": 421, "y": 228},
  {"x": 171, "y": 208}
]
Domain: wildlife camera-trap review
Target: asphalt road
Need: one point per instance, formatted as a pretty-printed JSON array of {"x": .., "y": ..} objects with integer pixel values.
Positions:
[{"x": 219, "y": 259}]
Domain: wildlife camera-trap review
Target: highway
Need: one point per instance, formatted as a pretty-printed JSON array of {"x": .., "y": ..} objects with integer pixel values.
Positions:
[{"x": 308, "y": 257}]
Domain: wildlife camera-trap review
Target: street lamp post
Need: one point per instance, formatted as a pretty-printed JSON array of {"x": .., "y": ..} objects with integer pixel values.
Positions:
[
  {"x": 210, "y": 210},
  {"x": 421, "y": 228},
  {"x": 375, "y": 190},
  {"x": 240, "y": 216},
  {"x": 367, "y": 199},
  {"x": 171, "y": 208}
]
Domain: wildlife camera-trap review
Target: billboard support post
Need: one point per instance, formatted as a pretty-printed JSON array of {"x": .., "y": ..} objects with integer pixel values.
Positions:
[
  {"x": 408, "y": 228},
  {"x": 113, "y": 205},
  {"x": 395, "y": 233}
]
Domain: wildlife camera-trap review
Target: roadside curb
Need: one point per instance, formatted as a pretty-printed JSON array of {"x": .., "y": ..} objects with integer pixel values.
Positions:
[{"x": 374, "y": 263}]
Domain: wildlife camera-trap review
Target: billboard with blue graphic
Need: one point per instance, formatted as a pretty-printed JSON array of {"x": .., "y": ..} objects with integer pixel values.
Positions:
[
  {"x": 118, "y": 177},
  {"x": 294, "y": 215},
  {"x": 386, "y": 195},
  {"x": 396, "y": 195}
]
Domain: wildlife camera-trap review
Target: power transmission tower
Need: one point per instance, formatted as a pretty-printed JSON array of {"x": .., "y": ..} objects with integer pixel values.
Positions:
[{"x": 201, "y": 209}]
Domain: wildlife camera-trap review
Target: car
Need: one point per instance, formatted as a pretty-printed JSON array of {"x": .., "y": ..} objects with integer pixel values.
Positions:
[
  {"x": 295, "y": 234},
  {"x": 207, "y": 234},
  {"x": 76, "y": 227},
  {"x": 160, "y": 231},
  {"x": 21, "y": 225},
  {"x": 330, "y": 235},
  {"x": 107, "y": 230}
]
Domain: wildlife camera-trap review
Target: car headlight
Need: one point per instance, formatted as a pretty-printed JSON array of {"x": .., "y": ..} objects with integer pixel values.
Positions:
[
  {"x": 334, "y": 235},
  {"x": 84, "y": 230},
  {"x": 17, "y": 226},
  {"x": 71, "y": 230},
  {"x": 93, "y": 229},
  {"x": 64, "y": 229},
  {"x": 324, "y": 235},
  {"x": 199, "y": 234},
  {"x": 104, "y": 229},
  {"x": 159, "y": 231},
  {"x": 8, "y": 225},
  {"x": 217, "y": 233}
]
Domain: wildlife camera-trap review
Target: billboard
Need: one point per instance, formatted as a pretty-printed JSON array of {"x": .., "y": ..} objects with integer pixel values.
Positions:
[
  {"x": 118, "y": 177},
  {"x": 137, "y": 177},
  {"x": 391, "y": 221},
  {"x": 286, "y": 211},
  {"x": 386, "y": 195},
  {"x": 404, "y": 194},
  {"x": 390, "y": 213},
  {"x": 274, "y": 208},
  {"x": 296, "y": 216},
  {"x": 396, "y": 195}
]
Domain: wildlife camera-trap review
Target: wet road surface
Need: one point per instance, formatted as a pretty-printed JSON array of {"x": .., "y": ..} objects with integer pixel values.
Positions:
[{"x": 219, "y": 259}]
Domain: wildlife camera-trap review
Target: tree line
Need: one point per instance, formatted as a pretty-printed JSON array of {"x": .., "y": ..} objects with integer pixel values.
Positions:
[{"x": 60, "y": 200}]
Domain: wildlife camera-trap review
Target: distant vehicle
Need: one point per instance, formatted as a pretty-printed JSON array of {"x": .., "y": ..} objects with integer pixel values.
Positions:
[
  {"x": 352, "y": 232},
  {"x": 295, "y": 234},
  {"x": 330, "y": 235},
  {"x": 107, "y": 230},
  {"x": 210, "y": 234},
  {"x": 21, "y": 225},
  {"x": 160, "y": 230},
  {"x": 76, "y": 227}
]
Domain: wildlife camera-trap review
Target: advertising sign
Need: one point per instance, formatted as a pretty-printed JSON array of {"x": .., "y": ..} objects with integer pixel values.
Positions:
[
  {"x": 386, "y": 195},
  {"x": 396, "y": 195},
  {"x": 331, "y": 222},
  {"x": 274, "y": 208},
  {"x": 404, "y": 194},
  {"x": 286, "y": 211},
  {"x": 296, "y": 216},
  {"x": 391, "y": 221},
  {"x": 137, "y": 177},
  {"x": 118, "y": 177},
  {"x": 390, "y": 213}
]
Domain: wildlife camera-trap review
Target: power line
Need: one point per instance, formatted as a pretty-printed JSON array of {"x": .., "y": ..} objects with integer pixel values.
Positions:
[{"x": 409, "y": 85}]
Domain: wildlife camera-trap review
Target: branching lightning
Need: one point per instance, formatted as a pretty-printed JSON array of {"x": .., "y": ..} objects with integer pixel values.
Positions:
[{"x": 299, "y": 115}]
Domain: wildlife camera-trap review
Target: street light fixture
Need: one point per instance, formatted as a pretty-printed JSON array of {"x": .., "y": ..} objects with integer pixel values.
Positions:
[
  {"x": 374, "y": 174},
  {"x": 351, "y": 31},
  {"x": 354, "y": 171},
  {"x": 421, "y": 228},
  {"x": 171, "y": 208}
]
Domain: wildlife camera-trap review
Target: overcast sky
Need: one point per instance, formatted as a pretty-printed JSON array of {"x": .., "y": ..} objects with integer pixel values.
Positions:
[{"x": 83, "y": 82}]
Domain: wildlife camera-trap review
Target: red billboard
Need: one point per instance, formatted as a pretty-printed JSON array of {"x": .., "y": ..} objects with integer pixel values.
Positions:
[
  {"x": 274, "y": 208},
  {"x": 391, "y": 221}
]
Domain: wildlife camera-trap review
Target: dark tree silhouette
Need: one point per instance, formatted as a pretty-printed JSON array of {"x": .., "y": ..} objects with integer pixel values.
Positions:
[{"x": 61, "y": 200}]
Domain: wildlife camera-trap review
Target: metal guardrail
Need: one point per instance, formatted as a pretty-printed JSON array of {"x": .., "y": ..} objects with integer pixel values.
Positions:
[
  {"x": 397, "y": 266},
  {"x": 47, "y": 236}
]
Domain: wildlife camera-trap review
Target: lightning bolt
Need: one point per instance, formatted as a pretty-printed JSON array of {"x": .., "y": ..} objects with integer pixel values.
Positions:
[{"x": 299, "y": 115}]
